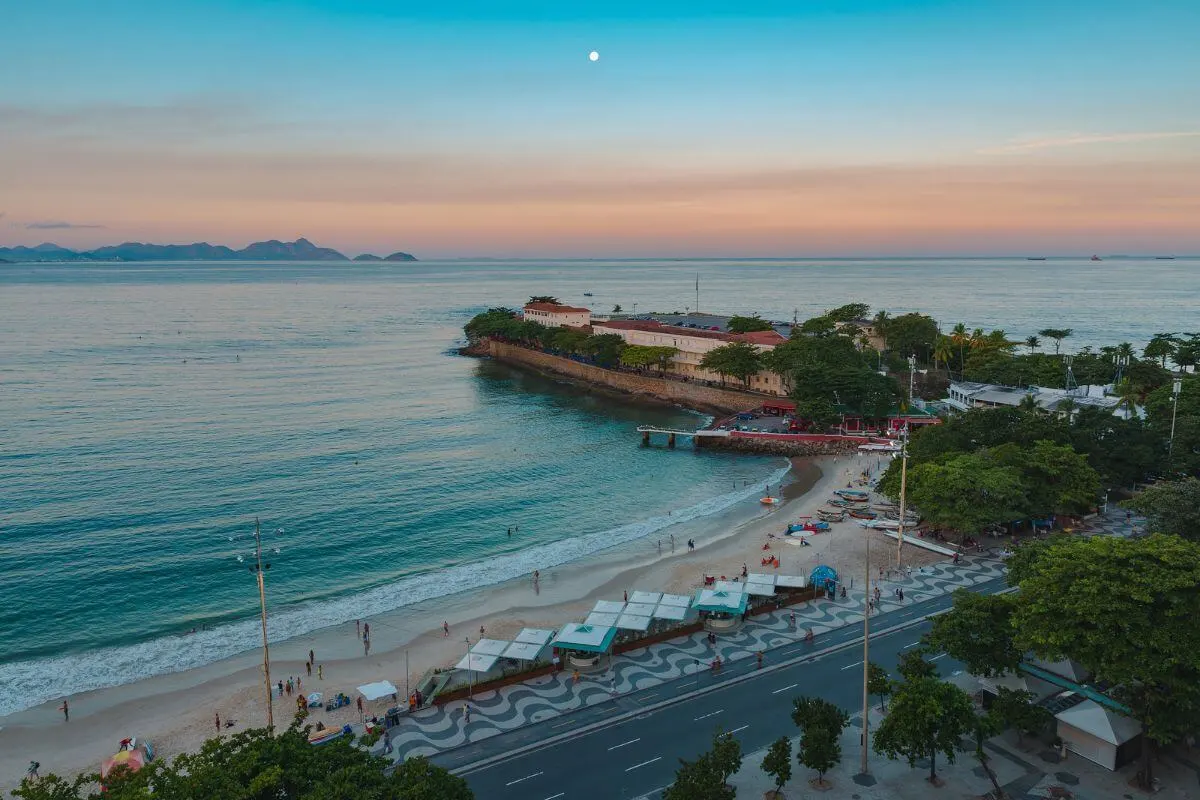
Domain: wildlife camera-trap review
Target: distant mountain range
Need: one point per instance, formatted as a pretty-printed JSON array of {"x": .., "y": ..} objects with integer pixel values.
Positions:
[{"x": 273, "y": 250}]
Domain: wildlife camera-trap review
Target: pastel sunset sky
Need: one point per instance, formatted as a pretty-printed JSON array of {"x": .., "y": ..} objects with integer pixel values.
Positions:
[{"x": 449, "y": 128}]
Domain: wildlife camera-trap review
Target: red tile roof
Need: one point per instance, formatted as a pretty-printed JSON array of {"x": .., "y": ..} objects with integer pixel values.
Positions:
[
  {"x": 758, "y": 337},
  {"x": 553, "y": 307}
]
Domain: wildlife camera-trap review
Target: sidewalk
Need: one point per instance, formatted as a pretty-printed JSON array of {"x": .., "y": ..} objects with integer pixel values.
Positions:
[{"x": 441, "y": 728}]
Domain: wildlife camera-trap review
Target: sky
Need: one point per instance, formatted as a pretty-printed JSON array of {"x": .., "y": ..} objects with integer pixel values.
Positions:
[{"x": 459, "y": 129}]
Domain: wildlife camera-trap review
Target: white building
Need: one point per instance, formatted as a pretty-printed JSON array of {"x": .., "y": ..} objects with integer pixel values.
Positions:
[
  {"x": 965, "y": 395},
  {"x": 553, "y": 315},
  {"x": 693, "y": 344}
]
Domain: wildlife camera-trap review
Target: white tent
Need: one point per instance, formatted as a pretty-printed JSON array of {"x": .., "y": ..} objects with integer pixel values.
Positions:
[
  {"x": 665, "y": 611},
  {"x": 534, "y": 636},
  {"x": 490, "y": 647},
  {"x": 477, "y": 662},
  {"x": 633, "y": 622},
  {"x": 524, "y": 651},
  {"x": 762, "y": 577},
  {"x": 763, "y": 589},
  {"x": 609, "y": 607},
  {"x": 736, "y": 587},
  {"x": 374, "y": 691},
  {"x": 791, "y": 581},
  {"x": 675, "y": 600},
  {"x": 639, "y": 609},
  {"x": 646, "y": 597},
  {"x": 599, "y": 619}
]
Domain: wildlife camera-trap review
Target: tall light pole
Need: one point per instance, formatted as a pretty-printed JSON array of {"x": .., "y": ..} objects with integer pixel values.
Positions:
[
  {"x": 470, "y": 671},
  {"x": 866, "y": 657},
  {"x": 903, "y": 494},
  {"x": 1176, "y": 388},
  {"x": 912, "y": 372},
  {"x": 259, "y": 569}
]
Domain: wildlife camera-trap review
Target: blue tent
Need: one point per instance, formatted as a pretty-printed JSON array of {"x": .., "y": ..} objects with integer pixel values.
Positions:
[{"x": 823, "y": 577}]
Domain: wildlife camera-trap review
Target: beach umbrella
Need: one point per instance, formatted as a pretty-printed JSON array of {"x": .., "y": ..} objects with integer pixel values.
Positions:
[
  {"x": 133, "y": 760},
  {"x": 314, "y": 698}
]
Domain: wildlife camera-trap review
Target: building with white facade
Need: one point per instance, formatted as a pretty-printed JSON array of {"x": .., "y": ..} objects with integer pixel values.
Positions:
[
  {"x": 554, "y": 315},
  {"x": 965, "y": 395},
  {"x": 693, "y": 344}
]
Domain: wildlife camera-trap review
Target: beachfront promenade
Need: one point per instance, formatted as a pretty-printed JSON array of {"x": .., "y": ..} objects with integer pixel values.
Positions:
[{"x": 495, "y": 712}]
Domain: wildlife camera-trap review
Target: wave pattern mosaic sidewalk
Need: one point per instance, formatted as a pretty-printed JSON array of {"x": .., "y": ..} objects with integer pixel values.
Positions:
[{"x": 493, "y": 712}]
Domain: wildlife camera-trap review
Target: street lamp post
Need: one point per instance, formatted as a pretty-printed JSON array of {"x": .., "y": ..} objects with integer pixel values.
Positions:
[
  {"x": 903, "y": 495},
  {"x": 866, "y": 726},
  {"x": 1176, "y": 388},
  {"x": 470, "y": 671},
  {"x": 259, "y": 569}
]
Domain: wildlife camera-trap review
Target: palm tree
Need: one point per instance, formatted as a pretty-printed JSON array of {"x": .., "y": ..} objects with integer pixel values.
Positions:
[
  {"x": 1057, "y": 334},
  {"x": 880, "y": 323},
  {"x": 979, "y": 339},
  {"x": 1033, "y": 343},
  {"x": 1129, "y": 397},
  {"x": 1029, "y": 403},
  {"x": 942, "y": 351},
  {"x": 1161, "y": 346},
  {"x": 960, "y": 337},
  {"x": 1125, "y": 350},
  {"x": 998, "y": 340}
]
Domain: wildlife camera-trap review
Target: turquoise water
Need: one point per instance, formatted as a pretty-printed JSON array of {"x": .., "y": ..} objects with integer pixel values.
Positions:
[{"x": 151, "y": 412}]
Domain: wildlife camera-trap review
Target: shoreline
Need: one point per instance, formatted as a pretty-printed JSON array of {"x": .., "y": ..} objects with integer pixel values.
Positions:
[{"x": 175, "y": 711}]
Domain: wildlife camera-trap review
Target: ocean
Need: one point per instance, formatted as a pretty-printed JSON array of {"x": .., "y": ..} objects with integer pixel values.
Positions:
[{"x": 152, "y": 412}]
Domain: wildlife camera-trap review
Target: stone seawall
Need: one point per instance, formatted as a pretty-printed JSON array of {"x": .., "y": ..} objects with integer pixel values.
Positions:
[
  {"x": 781, "y": 447},
  {"x": 707, "y": 399}
]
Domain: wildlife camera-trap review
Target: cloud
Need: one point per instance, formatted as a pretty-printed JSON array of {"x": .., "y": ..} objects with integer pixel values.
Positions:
[
  {"x": 58, "y": 225},
  {"x": 1076, "y": 140}
]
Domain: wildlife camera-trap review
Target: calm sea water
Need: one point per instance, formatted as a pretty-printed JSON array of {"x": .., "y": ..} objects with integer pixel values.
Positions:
[{"x": 150, "y": 412}]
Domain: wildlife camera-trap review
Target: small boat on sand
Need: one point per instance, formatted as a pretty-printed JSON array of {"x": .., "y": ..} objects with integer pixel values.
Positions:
[
  {"x": 852, "y": 494},
  {"x": 862, "y": 513},
  {"x": 769, "y": 501}
]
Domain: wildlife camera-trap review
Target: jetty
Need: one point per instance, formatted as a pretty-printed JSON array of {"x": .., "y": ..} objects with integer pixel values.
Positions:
[{"x": 649, "y": 430}]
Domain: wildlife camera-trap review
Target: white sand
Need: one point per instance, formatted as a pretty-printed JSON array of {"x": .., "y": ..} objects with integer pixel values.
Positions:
[{"x": 175, "y": 712}]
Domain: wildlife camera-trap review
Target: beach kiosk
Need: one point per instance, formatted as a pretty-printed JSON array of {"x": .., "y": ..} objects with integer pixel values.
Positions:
[
  {"x": 585, "y": 645},
  {"x": 528, "y": 644},
  {"x": 824, "y": 578},
  {"x": 672, "y": 607},
  {"x": 722, "y": 609}
]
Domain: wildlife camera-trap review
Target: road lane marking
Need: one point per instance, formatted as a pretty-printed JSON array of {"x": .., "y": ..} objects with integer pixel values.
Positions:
[
  {"x": 935, "y": 658},
  {"x": 622, "y": 744},
  {"x": 735, "y": 730},
  {"x": 644, "y": 763},
  {"x": 706, "y": 716},
  {"x": 646, "y": 696},
  {"x": 527, "y": 777},
  {"x": 851, "y": 666},
  {"x": 564, "y": 724},
  {"x": 910, "y": 644},
  {"x": 560, "y": 794},
  {"x": 784, "y": 689}
]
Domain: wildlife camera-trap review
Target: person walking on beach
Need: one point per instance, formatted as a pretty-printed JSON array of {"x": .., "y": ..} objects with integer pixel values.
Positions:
[
  {"x": 367, "y": 629},
  {"x": 357, "y": 628},
  {"x": 217, "y": 720},
  {"x": 320, "y": 672},
  {"x": 625, "y": 594},
  {"x": 281, "y": 688},
  {"x": 312, "y": 659},
  {"x": 536, "y": 576},
  {"x": 366, "y": 646},
  {"x": 481, "y": 632},
  {"x": 445, "y": 628},
  {"x": 308, "y": 668},
  {"x": 66, "y": 710},
  {"x": 672, "y": 543}
]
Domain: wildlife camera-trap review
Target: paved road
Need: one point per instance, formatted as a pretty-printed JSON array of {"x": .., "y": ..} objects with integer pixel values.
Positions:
[{"x": 639, "y": 753}]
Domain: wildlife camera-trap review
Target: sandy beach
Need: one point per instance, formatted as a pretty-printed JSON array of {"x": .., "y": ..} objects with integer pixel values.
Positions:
[{"x": 176, "y": 711}]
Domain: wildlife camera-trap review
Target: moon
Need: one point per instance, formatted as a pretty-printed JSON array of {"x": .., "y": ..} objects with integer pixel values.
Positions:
[{"x": 593, "y": 56}]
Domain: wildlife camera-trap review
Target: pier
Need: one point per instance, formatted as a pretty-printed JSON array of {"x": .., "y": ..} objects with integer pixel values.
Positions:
[{"x": 648, "y": 430}]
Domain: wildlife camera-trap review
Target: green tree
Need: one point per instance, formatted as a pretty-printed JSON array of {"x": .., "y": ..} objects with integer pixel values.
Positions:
[
  {"x": 1015, "y": 709},
  {"x": 821, "y": 724},
  {"x": 605, "y": 348},
  {"x": 913, "y": 665},
  {"x": 1033, "y": 343},
  {"x": 1056, "y": 479},
  {"x": 819, "y": 411},
  {"x": 849, "y": 312},
  {"x": 699, "y": 780},
  {"x": 1057, "y": 334},
  {"x": 737, "y": 360},
  {"x": 641, "y": 356},
  {"x": 912, "y": 334},
  {"x": 1161, "y": 346},
  {"x": 778, "y": 763},
  {"x": 978, "y": 631},
  {"x": 1126, "y": 609},
  {"x": 727, "y": 754},
  {"x": 928, "y": 717},
  {"x": 967, "y": 493},
  {"x": 255, "y": 764},
  {"x": 880, "y": 322},
  {"x": 986, "y": 726},
  {"x": 879, "y": 682},
  {"x": 544, "y": 298},
  {"x": 960, "y": 338},
  {"x": 1170, "y": 507},
  {"x": 818, "y": 326},
  {"x": 568, "y": 340},
  {"x": 1129, "y": 396},
  {"x": 738, "y": 324},
  {"x": 943, "y": 351}
]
